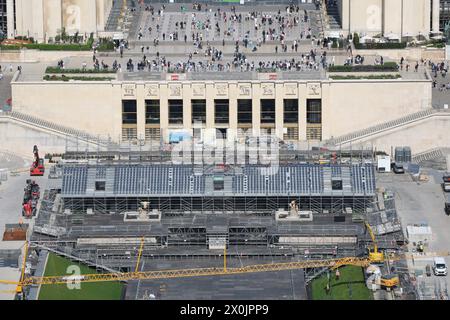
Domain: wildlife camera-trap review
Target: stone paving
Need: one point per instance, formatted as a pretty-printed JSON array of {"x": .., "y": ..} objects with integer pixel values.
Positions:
[{"x": 204, "y": 23}]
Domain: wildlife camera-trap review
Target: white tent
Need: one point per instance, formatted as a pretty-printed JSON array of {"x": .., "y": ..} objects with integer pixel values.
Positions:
[
  {"x": 392, "y": 36},
  {"x": 366, "y": 38},
  {"x": 118, "y": 36}
]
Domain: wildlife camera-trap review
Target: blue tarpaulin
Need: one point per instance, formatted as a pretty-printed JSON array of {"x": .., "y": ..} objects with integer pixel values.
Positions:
[{"x": 179, "y": 136}]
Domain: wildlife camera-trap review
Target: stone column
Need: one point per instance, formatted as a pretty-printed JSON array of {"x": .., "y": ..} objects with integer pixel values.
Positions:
[
  {"x": 10, "y": 19},
  {"x": 256, "y": 109},
  {"x": 140, "y": 110},
  {"x": 209, "y": 133},
  {"x": 435, "y": 15},
  {"x": 232, "y": 96},
  {"x": 164, "y": 111},
  {"x": 187, "y": 107},
  {"x": 302, "y": 112},
  {"x": 279, "y": 110}
]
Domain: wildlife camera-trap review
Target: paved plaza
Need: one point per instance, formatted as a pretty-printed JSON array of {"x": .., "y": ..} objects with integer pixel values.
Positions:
[{"x": 216, "y": 24}]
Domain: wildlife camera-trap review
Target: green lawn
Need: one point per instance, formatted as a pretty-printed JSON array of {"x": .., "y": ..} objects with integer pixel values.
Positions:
[
  {"x": 88, "y": 291},
  {"x": 350, "y": 286}
]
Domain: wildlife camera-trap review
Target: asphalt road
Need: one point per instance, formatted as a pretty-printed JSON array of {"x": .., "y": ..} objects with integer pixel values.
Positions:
[{"x": 422, "y": 203}]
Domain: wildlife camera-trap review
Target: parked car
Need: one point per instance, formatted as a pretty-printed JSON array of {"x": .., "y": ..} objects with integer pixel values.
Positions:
[
  {"x": 439, "y": 267},
  {"x": 447, "y": 208},
  {"x": 398, "y": 168}
]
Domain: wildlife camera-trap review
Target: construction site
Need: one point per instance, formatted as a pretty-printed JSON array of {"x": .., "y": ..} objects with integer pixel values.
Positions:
[
  {"x": 208, "y": 178},
  {"x": 162, "y": 228}
]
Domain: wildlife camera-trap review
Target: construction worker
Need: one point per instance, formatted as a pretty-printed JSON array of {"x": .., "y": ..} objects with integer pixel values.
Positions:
[{"x": 338, "y": 274}]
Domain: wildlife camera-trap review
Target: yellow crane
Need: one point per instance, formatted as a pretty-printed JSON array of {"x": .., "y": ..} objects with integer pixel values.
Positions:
[
  {"x": 374, "y": 255},
  {"x": 141, "y": 248},
  {"x": 198, "y": 272}
]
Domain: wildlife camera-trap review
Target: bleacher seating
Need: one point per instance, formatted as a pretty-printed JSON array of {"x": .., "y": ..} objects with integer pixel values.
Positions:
[{"x": 171, "y": 180}]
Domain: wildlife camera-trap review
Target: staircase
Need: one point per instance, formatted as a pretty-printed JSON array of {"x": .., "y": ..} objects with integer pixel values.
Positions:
[
  {"x": 86, "y": 262},
  {"x": 327, "y": 180},
  {"x": 334, "y": 18},
  {"x": 432, "y": 154},
  {"x": 113, "y": 18},
  {"x": 357, "y": 135},
  {"x": 91, "y": 178},
  {"x": 51, "y": 126},
  {"x": 346, "y": 180}
]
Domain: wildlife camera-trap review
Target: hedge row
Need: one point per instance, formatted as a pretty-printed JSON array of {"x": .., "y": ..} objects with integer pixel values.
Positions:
[
  {"x": 80, "y": 71},
  {"x": 52, "y": 47},
  {"x": 60, "y": 47},
  {"x": 387, "y": 66},
  {"x": 370, "y": 46},
  {"x": 79, "y": 78},
  {"x": 10, "y": 47},
  {"x": 373, "y": 76}
]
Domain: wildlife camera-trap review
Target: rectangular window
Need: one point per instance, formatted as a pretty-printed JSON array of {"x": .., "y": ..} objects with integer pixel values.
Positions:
[
  {"x": 314, "y": 111},
  {"x": 100, "y": 185},
  {"x": 221, "y": 133},
  {"x": 175, "y": 111},
  {"x": 129, "y": 134},
  {"x": 152, "y": 112},
  {"x": 244, "y": 111},
  {"x": 129, "y": 115},
  {"x": 291, "y": 111},
  {"x": 219, "y": 183},
  {"x": 268, "y": 111},
  {"x": 152, "y": 133},
  {"x": 336, "y": 184},
  {"x": 198, "y": 111},
  {"x": 291, "y": 133},
  {"x": 222, "y": 111}
]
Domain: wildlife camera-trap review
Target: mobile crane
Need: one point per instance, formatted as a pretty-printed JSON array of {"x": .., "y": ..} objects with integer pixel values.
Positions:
[
  {"x": 388, "y": 280},
  {"x": 374, "y": 254},
  {"x": 37, "y": 168}
]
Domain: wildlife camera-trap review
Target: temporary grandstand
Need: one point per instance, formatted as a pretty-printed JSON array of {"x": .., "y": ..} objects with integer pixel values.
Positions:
[{"x": 175, "y": 189}]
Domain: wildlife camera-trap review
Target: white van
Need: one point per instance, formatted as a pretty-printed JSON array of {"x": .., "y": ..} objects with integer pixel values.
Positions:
[{"x": 439, "y": 267}]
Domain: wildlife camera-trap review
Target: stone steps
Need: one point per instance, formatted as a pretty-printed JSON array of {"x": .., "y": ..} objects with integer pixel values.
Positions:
[
  {"x": 51, "y": 126},
  {"x": 382, "y": 127}
]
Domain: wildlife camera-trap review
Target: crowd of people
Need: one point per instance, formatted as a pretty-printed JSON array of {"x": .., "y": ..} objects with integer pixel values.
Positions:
[
  {"x": 267, "y": 26},
  {"x": 239, "y": 63}
]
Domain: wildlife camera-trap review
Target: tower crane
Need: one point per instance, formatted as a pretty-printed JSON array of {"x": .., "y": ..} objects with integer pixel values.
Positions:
[
  {"x": 198, "y": 272},
  {"x": 374, "y": 257}
]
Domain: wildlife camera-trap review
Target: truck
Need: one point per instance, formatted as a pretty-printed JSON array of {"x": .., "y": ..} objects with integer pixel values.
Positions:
[
  {"x": 447, "y": 205},
  {"x": 30, "y": 199},
  {"x": 446, "y": 182},
  {"x": 439, "y": 267},
  {"x": 37, "y": 168}
]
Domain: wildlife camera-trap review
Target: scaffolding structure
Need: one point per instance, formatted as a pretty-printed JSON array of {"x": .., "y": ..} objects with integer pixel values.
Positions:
[{"x": 253, "y": 189}]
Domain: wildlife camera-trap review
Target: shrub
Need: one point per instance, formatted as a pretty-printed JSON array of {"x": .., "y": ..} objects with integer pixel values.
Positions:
[
  {"x": 76, "y": 78},
  {"x": 387, "y": 66},
  {"x": 10, "y": 47},
  {"x": 80, "y": 71},
  {"x": 373, "y": 76}
]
